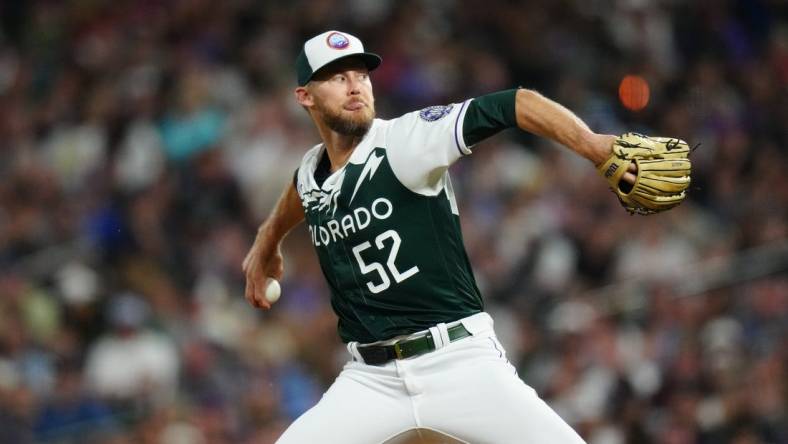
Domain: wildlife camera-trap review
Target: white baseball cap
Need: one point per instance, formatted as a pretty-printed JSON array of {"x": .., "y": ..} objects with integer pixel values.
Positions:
[{"x": 328, "y": 47}]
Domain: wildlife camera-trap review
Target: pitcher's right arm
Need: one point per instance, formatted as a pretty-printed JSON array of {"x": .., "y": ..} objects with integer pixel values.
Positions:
[{"x": 264, "y": 259}]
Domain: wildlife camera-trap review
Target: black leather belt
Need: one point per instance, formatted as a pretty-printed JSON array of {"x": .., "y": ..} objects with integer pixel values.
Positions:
[{"x": 407, "y": 348}]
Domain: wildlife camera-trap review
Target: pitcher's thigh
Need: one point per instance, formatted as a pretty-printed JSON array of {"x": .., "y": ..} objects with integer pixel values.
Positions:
[
  {"x": 351, "y": 413},
  {"x": 488, "y": 403}
]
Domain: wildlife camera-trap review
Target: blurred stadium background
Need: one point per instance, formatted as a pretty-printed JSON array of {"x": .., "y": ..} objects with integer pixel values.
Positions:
[{"x": 142, "y": 142}]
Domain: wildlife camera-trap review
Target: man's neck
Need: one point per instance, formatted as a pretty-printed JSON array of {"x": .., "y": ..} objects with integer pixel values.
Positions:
[{"x": 338, "y": 146}]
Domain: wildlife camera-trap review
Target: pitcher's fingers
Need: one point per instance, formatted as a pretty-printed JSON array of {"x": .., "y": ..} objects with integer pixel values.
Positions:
[
  {"x": 261, "y": 302},
  {"x": 633, "y": 167},
  {"x": 249, "y": 293},
  {"x": 260, "y": 282},
  {"x": 629, "y": 178}
]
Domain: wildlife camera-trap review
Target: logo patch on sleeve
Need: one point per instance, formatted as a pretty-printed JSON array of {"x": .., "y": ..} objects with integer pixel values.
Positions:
[{"x": 433, "y": 113}]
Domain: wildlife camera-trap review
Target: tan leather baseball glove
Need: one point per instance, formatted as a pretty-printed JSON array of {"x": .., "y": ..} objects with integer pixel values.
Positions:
[{"x": 663, "y": 172}]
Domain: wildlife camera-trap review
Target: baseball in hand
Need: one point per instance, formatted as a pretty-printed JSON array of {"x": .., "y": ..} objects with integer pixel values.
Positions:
[{"x": 272, "y": 290}]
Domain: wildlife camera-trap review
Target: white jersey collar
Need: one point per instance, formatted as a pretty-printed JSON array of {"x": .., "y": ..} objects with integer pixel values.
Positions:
[{"x": 359, "y": 156}]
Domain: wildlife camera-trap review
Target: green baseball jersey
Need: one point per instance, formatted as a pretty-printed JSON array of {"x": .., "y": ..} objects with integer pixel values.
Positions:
[{"x": 386, "y": 226}]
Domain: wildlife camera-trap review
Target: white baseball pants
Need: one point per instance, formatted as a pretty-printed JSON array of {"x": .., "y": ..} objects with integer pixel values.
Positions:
[{"x": 465, "y": 389}]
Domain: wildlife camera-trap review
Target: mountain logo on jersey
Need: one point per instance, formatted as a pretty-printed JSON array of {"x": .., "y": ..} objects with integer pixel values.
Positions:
[
  {"x": 323, "y": 200},
  {"x": 433, "y": 113},
  {"x": 373, "y": 162}
]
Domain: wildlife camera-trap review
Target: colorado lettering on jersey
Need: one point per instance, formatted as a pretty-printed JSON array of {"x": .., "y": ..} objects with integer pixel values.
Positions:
[{"x": 325, "y": 234}]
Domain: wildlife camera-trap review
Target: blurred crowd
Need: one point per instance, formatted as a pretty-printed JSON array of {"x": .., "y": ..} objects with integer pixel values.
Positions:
[{"x": 142, "y": 142}]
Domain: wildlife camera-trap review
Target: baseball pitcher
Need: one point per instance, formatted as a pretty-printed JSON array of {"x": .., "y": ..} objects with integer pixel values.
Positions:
[{"x": 379, "y": 207}]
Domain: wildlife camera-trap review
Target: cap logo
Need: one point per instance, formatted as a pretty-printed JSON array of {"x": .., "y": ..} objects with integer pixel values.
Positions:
[{"x": 337, "y": 41}]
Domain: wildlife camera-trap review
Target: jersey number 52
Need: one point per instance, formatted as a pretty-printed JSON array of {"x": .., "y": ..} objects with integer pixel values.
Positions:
[{"x": 366, "y": 268}]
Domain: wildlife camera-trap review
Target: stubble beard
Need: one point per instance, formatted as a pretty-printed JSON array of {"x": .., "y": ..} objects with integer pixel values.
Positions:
[{"x": 355, "y": 127}]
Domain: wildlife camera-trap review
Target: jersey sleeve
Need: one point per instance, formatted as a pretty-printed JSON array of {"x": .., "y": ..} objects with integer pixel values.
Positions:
[
  {"x": 489, "y": 114},
  {"x": 423, "y": 144}
]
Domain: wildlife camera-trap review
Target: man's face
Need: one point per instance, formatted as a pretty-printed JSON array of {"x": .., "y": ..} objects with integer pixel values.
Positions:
[{"x": 341, "y": 96}]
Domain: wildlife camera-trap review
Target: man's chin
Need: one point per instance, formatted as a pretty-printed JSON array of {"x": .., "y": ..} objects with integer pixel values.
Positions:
[
  {"x": 362, "y": 121},
  {"x": 360, "y": 115},
  {"x": 356, "y": 126}
]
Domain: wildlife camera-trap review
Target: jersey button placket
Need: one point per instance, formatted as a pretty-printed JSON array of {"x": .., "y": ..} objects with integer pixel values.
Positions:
[
  {"x": 329, "y": 247},
  {"x": 334, "y": 248}
]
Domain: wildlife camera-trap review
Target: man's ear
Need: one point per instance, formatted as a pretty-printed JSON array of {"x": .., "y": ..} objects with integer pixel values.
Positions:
[{"x": 304, "y": 97}]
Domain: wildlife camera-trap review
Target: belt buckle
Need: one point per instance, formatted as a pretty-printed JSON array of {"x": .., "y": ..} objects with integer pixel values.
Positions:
[{"x": 397, "y": 350}]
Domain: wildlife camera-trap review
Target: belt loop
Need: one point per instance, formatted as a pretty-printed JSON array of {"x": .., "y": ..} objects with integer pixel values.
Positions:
[
  {"x": 437, "y": 338},
  {"x": 352, "y": 347},
  {"x": 444, "y": 331}
]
